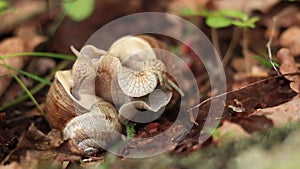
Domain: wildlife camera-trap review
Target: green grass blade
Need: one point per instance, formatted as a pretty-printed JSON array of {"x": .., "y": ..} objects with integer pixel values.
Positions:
[
  {"x": 23, "y": 86},
  {"x": 41, "y": 54},
  {"x": 36, "y": 88},
  {"x": 30, "y": 75},
  {"x": 266, "y": 62}
]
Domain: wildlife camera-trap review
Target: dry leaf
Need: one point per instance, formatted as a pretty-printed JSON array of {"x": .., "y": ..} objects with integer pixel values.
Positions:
[
  {"x": 25, "y": 41},
  {"x": 287, "y": 17},
  {"x": 23, "y": 10},
  {"x": 288, "y": 65},
  {"x": 291, "y": 39},
  {"x": 245, "y": 5},
  {"x": 28, "y": 162},
  {"x": 50, "y": 147},
  {"x": 229, "y": 132},
  {"x": 9, "y": 46},
  {"x": 282, "y": 114},
  {"x": 52, "y": 140},
  {"x": 13, "y": 165}
]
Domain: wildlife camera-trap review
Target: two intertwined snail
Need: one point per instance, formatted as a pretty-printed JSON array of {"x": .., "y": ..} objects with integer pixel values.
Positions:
[{"x": 85, "y": 103}]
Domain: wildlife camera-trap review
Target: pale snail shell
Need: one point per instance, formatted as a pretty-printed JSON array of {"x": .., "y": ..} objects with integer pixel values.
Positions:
[
  {"x": 136, "y": 74},
  {"x": 86, "y": 123},
  {"x": 94, "y": 130},
  {"x": 124, "y": 77}
]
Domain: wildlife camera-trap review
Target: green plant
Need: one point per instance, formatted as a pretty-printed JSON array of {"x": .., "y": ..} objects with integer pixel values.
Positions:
[
  {"x": 130, "y": 130},
  {"x": 78, "y": 10},
  {"x": 5, "y": 7},
  {"x": 30, "y": 75},
  {"x": 22, "y": 85},
  {"x": 43, "y": 81},
  {"x": 267, "y": 63},
  {"x": 222, "y": 19},
  {"x": 3, "y": 4}
]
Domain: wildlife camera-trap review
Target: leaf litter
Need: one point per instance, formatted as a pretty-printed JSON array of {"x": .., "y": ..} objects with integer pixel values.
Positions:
[{"x": 26, "y": 141}]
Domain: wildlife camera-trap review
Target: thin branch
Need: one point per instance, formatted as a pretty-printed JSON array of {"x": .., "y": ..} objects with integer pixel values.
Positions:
[
  {"x": 269, "y": 46},
  {"x": 232, "y": 45},
  {"x": 215, "y": 40},
  {"x": 252, "y": 84}
]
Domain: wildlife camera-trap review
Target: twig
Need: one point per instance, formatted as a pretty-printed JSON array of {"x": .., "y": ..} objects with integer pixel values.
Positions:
[
  {"x": 260, "y": 81},
  {"x": 215, "y": 40},
  {"x": 269, "y": 46},
  {"x": 246, "y": 52},
  {"x": 274, "y": 20},
  {"x": 233, "y": 43},
  {"x": 13, "y": 150}
]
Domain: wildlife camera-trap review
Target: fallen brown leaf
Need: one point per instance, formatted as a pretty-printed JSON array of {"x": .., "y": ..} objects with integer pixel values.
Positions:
[
  {"x": 287, "y": 17},
  {"x": 28, "y": 162},
  {"x": 41, "y": 141},
  {"x": 13, "y": 165},
  {"x": 165, "y": 141},
  {"x": 23, "y": 10},
  {"x": 282, "y": 114},
  {"x": 288, "y": 65},
  {"x": 245, "y": 5},
  {"x": 8, "y": 46},
  {"x": 25, "y": 41},
  {"x": 35, "y": 145},
  {"x": 291, "y": 39}
]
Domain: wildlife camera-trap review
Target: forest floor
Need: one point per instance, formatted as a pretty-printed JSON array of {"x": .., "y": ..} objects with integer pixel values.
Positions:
[{"x": 255, "y": 121}]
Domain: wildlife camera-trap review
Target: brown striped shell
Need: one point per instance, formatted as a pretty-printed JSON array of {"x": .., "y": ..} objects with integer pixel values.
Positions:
[{"x": 89, "y": 123}]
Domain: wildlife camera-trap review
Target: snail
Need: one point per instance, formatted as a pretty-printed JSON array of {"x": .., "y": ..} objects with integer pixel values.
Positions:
[
  {"x": 79, "y": 121},
  {"x": 140, "y": 65},
  {"x": 88, "y": 102}
]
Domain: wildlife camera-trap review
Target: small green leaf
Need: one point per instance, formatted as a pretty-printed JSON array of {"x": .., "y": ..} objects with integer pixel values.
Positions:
[
  {"x": 176, "y": 50},
  {"x": 240, "y": 24},
  {"x": 3, "y": 4},
  {"x": 218, "y": 22},
  {"x": 266, "y": 62},
  {"x": 254, "y": 19},
  {"x": 130, "y": 130},
  {"x": 4, "y": 7},
  {"x": 234, "y": 14},
  {"x": 79, "y": 10}
]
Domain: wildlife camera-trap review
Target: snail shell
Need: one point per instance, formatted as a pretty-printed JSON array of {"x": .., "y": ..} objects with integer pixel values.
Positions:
[
  {"x": 84, "y": 70},
  {"x": 60, "y": 102},
  {"x": 107, "y": 71},
  {"x": 89, "y": 123},
  {"x": 129, "y": 76},
  {"x": 94, "y": 130},
  {"x": 154, "y": 102},
  {"x": 123, "y": 50}
]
